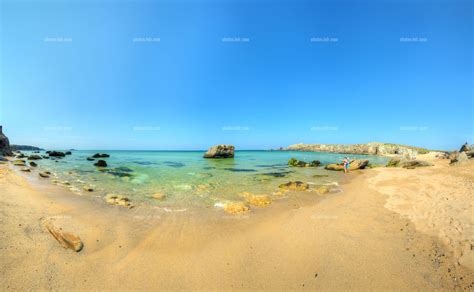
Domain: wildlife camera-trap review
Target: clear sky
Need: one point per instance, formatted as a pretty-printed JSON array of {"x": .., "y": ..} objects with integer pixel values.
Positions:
[{"x": 256, "y": 74}]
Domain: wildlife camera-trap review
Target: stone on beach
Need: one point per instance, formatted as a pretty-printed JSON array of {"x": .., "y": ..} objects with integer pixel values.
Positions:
[
  {"x": 44, "y": 174},
  {"x": 25, "y": 169},
  {"x": 406, "y": 163},
  {"x": 259, "y": 200},
  {"x": 458, "y": 158},
  {"x": 118, "y": 200},
  {"x": 322, "y": 189},
  {"x": 101, "y": 163},
  {"x": 294, "y": 186},
  {"x": 158, "y": 196},
  {"x": 220, "y": 151},
  {"x": 66, "y": 239},
  {"x": 236, "y": 207},
  {"x": 355, "y": 164},
  {"x": 19, "y": 162},
  {"x": 33, "y": 164}
]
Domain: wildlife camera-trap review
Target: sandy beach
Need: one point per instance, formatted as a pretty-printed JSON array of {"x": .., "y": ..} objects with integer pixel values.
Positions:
[{"x": 390, "y": 228}]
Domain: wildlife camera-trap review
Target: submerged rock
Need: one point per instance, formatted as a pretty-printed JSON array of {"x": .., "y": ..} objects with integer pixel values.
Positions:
[
  {"x": 300, "y": 163},
  {"x": 236, "y": 207},
  {"x": 33, "y": 164},
  {"x": 355, "y": 164},
  {"x": 322, "y": 189},
  {"x": 25, "y": 169},
  {"x": 158, "y": 196},
  {"x": 118, "y": 200},
  {"x": 90, "y": 159},
  {"x": 88, "y": 188},
  {"x": 66, "y": 239},
  {"x": 220, "y": 151},
  {"x": 294, "y": 186},
  {"x": 101, "y": 163}
]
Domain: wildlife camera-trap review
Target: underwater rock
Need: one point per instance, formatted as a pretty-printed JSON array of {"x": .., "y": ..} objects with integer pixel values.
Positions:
[
  {"x": 355, "y": 164},
  {"x": 87, "y": 188},
  {"x": 33, "y": 164},
  {"x": 90, "y": 159},
  {"x": 68, "y": 153},
  {"x": 294, "y": 186},
  {"x": 322, "y": 189},
  {"x": 220, "y": 151},
  {"x": 158, "y": 196},
  {"x": 300, "y": 163},
  {"x": 118, "y": 200},
  {"x": 236, "y": 207},
  {"x": 66, "y": 239},
  {"x": 240, "y": 169},
  {"x": 101, "y": 163}
]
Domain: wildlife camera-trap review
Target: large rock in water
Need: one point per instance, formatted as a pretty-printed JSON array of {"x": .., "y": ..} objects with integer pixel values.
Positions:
[
  {"x": 300, "y": 163},
  {"x": 56, "y": 154},
  {"x": 355, "y": 164},
  {"x": 220, "y": 151},
  {"x": 4, "y": 144}
]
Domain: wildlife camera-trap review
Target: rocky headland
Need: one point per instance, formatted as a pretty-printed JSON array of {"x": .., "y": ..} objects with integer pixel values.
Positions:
[{"x": 372, "y": 148}]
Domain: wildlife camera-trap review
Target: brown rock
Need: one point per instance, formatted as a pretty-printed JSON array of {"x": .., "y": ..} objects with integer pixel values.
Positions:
[
  {"x": 66, "y": 239},
  {"x": 220, "y": 151},
  {"x": 236, "y": 207},
  {"x": 355, "y": 164},
  {"x": 118, "y": 200}
]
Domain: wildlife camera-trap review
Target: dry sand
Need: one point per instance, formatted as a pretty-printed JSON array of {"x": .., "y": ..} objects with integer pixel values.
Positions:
[{"x": 346, "y": 240}]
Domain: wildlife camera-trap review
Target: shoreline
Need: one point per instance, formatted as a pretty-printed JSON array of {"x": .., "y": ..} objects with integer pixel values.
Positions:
[{"x": 349, "y": 235}]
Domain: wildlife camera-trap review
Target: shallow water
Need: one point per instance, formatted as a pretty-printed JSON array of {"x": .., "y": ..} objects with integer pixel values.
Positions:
[{"x": 187, "y": 179}]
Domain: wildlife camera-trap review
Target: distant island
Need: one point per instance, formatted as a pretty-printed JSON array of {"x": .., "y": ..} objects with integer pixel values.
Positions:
[{"x": 14, "y": 147}]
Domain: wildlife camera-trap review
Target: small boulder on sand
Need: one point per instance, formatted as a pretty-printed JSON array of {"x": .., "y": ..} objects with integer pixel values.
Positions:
[
  {"x": 44, "y": 174},
  {"x": 25, "y": 169},
  {"x": 66, "y": 239},
  {"x": 294, "y": 186},
  {"x": 236, "y": 207},
  {"x": 19, "y": 162},
  {"x": 259, "y": 200},
  {"x": 118, "y": 200},
  {"x": 158, "y": 196},
  {"x": 458, "y": 158},
  {"x": 33, "y": 164}
]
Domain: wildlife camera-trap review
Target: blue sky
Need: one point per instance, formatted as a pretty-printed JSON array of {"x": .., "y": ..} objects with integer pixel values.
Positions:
[{"x": 256, "y": 74}]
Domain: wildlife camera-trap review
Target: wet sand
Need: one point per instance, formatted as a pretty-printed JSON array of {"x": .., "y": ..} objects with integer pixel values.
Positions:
[{"x": 355, "y": 239}]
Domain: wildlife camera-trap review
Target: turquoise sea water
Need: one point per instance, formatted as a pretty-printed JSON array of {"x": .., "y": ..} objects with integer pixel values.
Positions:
[{"x": 185, "y": 177}]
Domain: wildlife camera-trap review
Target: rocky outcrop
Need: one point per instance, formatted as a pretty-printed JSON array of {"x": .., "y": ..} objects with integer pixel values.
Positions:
[
  {"x": 220, "y": 151},
  {"x": 407, "y": 163},
  {"x": 236, "y": 207},
  {"x": 300, "y": 163},
  {"x": 4, "y": 144},
  {"x": 372, "y": 148},
  {"x": 466, "y": 148},
  {"x": 355, "y": 164},
  {"x": 34, "y": 157},
  {"x": 56, "y": 154},
  {"x": 458, "y": 158},
  {"x": 65, "y": 239}
]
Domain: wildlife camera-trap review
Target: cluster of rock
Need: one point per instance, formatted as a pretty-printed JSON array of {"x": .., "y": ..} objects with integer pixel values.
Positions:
[
  {"x": 372, "y": 148},
  {"x": 400, "y": 161},
  {"x": 299, "y": 163},
  {"x": 465, "y": 153},
  {"x": 220, "y": 151}
]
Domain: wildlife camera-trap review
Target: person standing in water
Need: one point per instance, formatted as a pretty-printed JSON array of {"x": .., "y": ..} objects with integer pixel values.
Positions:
[{"x": 347, "y": 164}]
